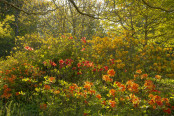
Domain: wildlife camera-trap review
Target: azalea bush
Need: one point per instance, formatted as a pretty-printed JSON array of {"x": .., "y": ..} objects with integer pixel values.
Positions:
[
  {"x": 126, "y": 54},
  {"x": 102, "y": 76}
]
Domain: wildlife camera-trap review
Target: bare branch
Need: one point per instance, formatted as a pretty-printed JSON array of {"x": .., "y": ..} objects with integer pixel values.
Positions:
[
  {"x": 82, "y": 13},
  {"x": 154, "y": 7}
]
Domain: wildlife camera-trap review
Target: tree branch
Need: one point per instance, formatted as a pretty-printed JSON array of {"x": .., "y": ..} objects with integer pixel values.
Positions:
[
  {"x": 28, "y": 13},
  {"x": 154, "y": 7},
  {"x": 82, "y": 13}
]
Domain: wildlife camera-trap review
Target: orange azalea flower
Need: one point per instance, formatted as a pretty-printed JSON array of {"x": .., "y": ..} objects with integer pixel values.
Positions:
[
  {"x": 112, "y": 103},
  {"x": 7, "y": 90},
  {"x": 160, "y": 103},
  {"x": 122, "y": 99},
  {"x": 98, "y": 96},
  {"x": 157, "y": 98},
  {"x": 143, "y": 76},
  {"x": 82, "y": 49},
  {"x": 154, "y": 107},
  {"x": 149, "y": 85},
  {"x": 151, "y": 102},
  {"x": 110, "y": 80},
  {"x": 52, "y": 63},
  {"x": 166, "y": 100},
  {"x": 111, "y": 72},
  {"x": 92, "y": 91},
  {"x": 105, "y": 77},
  {"x": 6, "y": 95},
  {"x": 56, "y": 92},
  {"x": 47, "y": 87},
  {"x": 129, "y": 82},
  {"x": 127, "y": 97},
  {"x": 52, "y": 79},
  {"x": 132, "y": 96},
  {"x": 43, "y": 106},
  {"x": 87, "y": 82},
  {"x": 75, "y": 85},
  {"x": 112, "y": 92},
  {"x": 72, "y": 88},
  {"x": 122, "y": 88},
  {"x": 104, "y": 102},
  {"x": 151, "y": 95},
  {"x": 35, "y": 85},
  {"x": 138, "y": 71},
  {"x": 136, "y": 101},
  {"x": 87, "y": 86},
  {"x": 135, "y": 76},
  {"x": 5, "y": 86},
  {"x": 133, "y": 87},
  {"x": 157, "y": 76},
  {"x": 117, "y": 83}
]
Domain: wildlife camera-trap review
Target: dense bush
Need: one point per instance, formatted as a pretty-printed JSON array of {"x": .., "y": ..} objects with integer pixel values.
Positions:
[{"x": 103, "y": 76}]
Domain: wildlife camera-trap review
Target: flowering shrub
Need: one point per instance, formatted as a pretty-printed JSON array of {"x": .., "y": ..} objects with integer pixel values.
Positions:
[
  {"x": 127, "y": 55},
  {"x": 60, "y": 77}
]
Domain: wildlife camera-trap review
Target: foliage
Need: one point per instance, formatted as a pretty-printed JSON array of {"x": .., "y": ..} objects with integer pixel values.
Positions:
[
  {"x": 58, "y": 61},
  {"x": 56, "y": 76},
  {"x": 6, "y": 36}
]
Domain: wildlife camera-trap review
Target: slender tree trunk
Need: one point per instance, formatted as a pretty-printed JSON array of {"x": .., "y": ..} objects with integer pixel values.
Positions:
[{"x": 16, "y": 23}]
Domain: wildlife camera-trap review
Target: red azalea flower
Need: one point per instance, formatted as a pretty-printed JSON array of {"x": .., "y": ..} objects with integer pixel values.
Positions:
[
  {"x": 106, "y": 68},
  {"x": 61, "y": 61},
  {"x": 172, "y": 107},
  {"x": 17, "y": 93},
  {"x": 28, "y": 48},
  {"x": 74, "y": 68},
  {"x": 112, "y": 61},
  {"x": 70, "y": 37},
  {"x": 168, "y": 110},
  {"x": 94, "y": 70},
  {"x": 79, "y": 73},
  {"x": 101, "y": 69},
  {"x": 54, "y": 64},
  {"x": 83, "y": 39},
  {"x": 86, "y": 102},
  {"x": 79, "y": 64}
]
